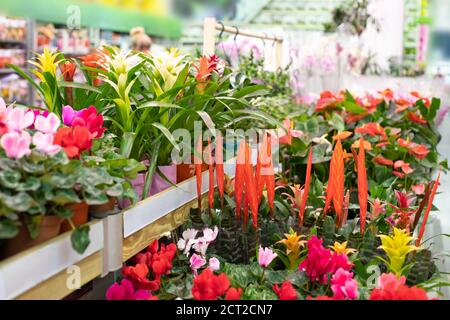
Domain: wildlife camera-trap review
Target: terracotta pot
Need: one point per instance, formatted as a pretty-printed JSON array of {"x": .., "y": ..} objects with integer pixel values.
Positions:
[
  {"x": 109, "y": 206},
  {"x": 187, "y": 171},
  {"x": 80, "y": 216},
  {"x": 50, "y": 227}
]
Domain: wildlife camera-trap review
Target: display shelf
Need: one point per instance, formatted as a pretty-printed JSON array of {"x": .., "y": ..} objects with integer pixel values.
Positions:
[
  {"x": 41, "y": 272},
  {"x": 45, "y": 266}
]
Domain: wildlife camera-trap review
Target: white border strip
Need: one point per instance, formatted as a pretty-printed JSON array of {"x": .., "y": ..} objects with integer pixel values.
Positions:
[
  {"x": 156, "y": 207},
  {"x": 32, "y": 267}
]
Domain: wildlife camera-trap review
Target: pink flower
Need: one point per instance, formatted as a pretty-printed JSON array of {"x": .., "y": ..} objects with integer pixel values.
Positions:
[
  {"x": 265, "y": 256},
  {"x": 418, "y": 189},
  {"x": 44, "y": 143},
  {"x": 291, "y": 133},
  {"x": 68, "y": 115},
  {"x": 49, "y": 124},
  {"x": 210, "y": 235},
  {"x": 196, "y": 262},
  {"x": 320, "y": 261},
  {"x": 91, "y": 120},
  {"x": 403, "y": 200},
  {"x": 126, "y": 291},
  {"x": 19, "y": 119},
  {"x": 16, "y": 145},
  {"x": 214, "y": 264},
  {"x": 344, "y": 286},
  {"x": 404, "y": 166}
]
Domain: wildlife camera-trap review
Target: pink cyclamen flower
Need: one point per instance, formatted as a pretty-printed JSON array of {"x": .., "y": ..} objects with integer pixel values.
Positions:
[
  {"x": 214, "y": 264},
  {"x": 16, "y": 145},
  {"x": 196, "y": 262},
  {"x": 19, "y": 119},
  {"x": 44, "y": 143},
  {"x": 210, "y": 235},
  {"x": 125, "y": 291},
  {"x": 187, "y": 241},
  {"x": 48, "y": 124},
  {"x": 344, "y": 286},
  {"x": 265, "y": 256},
  {"x": 68, "y": 115}
]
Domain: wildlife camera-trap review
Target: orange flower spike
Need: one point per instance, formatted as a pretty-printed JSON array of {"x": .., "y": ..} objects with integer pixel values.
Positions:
[
  {"x": 220, "y": 173},
  {"x": 265, "y": 175},
  {"x": 427, "y": 211},
  {"x": 198, "y": 170},
  {"x": 338, "y": 179},
  {"x": 342, "y": 135},
  {"x": 306, "y": 190},
  {"x": 362, "y": 184},
  {"x": 211, "y": 176},
  {"x": 250, "y": 186},
  {"x": 239, "y": 178},
  {"x": 329, "y": 191},
  {"x": 346, "y": 207}
]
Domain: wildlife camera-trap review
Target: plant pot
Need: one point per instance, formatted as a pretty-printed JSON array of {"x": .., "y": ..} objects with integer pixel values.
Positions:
[
  {"x": 187, "y": 171},
  {"x": 109, "y": 206},
  {"x": 158, "y": 184},
  {"x": 50, "y": 228},
  {"x": 80, "y": 216},
  {"x": 105, "y": 214}
]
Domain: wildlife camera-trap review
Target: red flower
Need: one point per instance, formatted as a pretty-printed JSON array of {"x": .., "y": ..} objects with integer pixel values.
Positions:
[
  {"x": 418, "y": 150},
  {"x": 383, "y": 161},
  {"x": 392, "y": 288},
  {"x": 68, "y": 69},
  {"x": 234, "y": 294},
  {"x": 286, "y": 292},
  {"x": 125, "y": 291},
  {"x": 425, "y": 100},
  {"x": 138, "y": 275},
  {"x": 161, "y": 262},
  {"x": 74, "y": 140},
  {"x": 208, "y": 286},
  {"x": 373, "y": 129},
  {"x": 90, "y": 119},
  {"x": 319, "y": 297},
  {"x": 327, "y": 100},
  {"x": 400, "y": 164},
  {"x": 416, "y": 118},
  {"x": 320, "y": 261}
]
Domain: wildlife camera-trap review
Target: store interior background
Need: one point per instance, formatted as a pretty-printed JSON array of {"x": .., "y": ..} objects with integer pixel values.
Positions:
[{"x": 408, "y": 49}]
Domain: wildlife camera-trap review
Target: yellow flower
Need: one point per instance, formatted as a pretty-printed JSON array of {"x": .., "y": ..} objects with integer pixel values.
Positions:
[
  {"x": 46, "y": 63},
  {"x": 293, "y": 244},
  {"x": 397, "y": 247},
  {"x": 168, "y": 64},
  {"x": 341, "y": 248}
]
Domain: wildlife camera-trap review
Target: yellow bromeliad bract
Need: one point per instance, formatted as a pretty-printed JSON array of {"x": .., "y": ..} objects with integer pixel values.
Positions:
[{"x": 397, "y": 247}]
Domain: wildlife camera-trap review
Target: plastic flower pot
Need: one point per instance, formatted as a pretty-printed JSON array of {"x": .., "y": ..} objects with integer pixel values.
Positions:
[
  {"x": 159, "y": 184},
  {"x": 80, "y": 216},
  {"x": 49, "y": 228},
  {"x": 109, "y": 206}
]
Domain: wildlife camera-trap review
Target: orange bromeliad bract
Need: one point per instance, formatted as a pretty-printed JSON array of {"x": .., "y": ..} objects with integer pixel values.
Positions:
[
  {"x": 211, "y": 175},
  {"x": 362, "y": 184},
  {"x": 306, "y": 190},
  {"x": 198, "y": 170},
  {"x": 245, "y": 183},
  {"x": 427, "y": 211},
  {"x": 220, "y": 174},
  {"x": 335, "y": 189},
  {"x": 265, "y": 175}
]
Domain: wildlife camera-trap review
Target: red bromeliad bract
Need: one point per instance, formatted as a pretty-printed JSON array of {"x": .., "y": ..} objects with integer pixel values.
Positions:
[{"x": 362, "y": 184}]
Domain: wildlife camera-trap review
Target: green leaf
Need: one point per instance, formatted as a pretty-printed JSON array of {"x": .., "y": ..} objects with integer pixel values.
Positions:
[
  {"x": 80, "y": 239},
  {"x": 64, "y": 212},
  {"x": 8, "y": 229},
  {"x": 84, "y": 86},
  {"x": 167, "y": 134},
  {"x": 10, "y": 179},
  {"x": 20, "y": 202},
  {"x": 65, "y": 196}
]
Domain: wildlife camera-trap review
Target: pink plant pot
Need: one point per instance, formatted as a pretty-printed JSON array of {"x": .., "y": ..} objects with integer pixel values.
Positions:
[{"x": 159, "y": 184}]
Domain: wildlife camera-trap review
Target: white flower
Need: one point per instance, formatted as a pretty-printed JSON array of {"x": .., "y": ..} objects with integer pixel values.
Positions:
[
  {"x": 210, "y": 235},
  {"x": 185, "y": 244},
  {"x": 214, "y": 264}
]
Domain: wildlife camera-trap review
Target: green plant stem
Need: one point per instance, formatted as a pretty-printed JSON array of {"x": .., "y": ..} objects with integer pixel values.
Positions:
[{"x": 261, "y": 281}]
